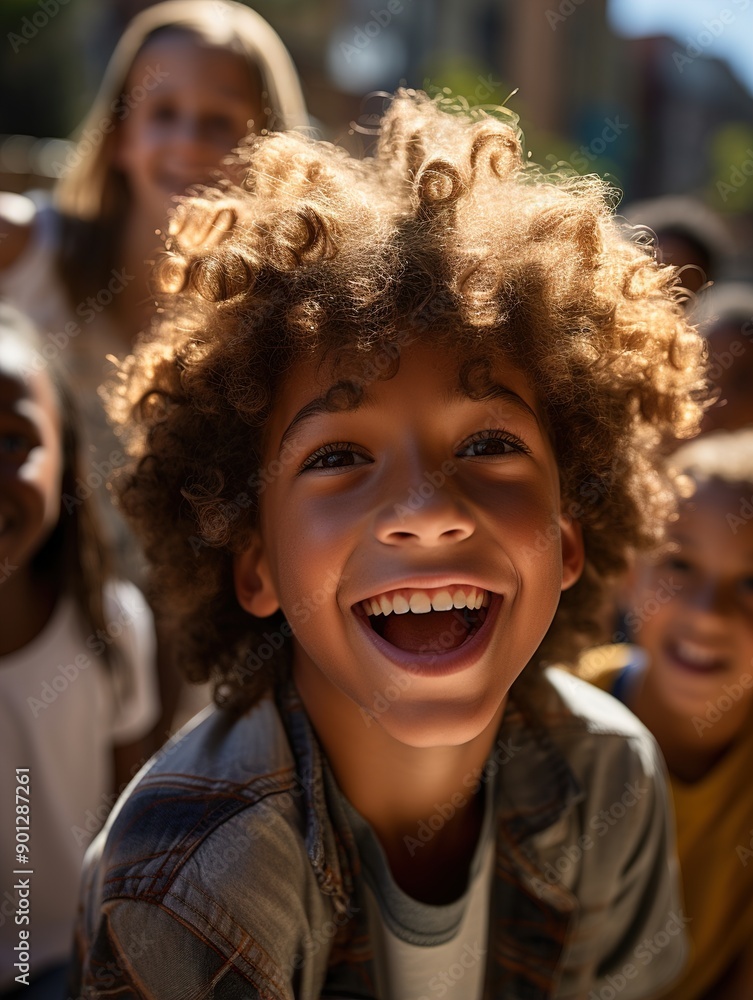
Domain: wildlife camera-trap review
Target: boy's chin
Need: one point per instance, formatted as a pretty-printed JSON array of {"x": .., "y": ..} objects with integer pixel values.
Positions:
[{"x": 424, "y": 727}]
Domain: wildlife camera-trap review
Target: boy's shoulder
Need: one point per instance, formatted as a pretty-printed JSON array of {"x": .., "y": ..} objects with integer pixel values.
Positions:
[
  {"x": 569, "y": 701},
  {"x": 603, "y": 743},
  {"x": 216, "y": 834},
  {"x": 217, "y": 766}
]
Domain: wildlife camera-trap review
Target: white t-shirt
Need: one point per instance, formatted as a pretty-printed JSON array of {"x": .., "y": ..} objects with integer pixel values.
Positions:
[
  {"x": 408, "y": 971},
  {"x": 60, "y": 717},
  {"x": 421, "y": 951}
]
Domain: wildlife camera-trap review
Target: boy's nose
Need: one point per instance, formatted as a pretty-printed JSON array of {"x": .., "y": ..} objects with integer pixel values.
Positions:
[{"x": 437, "y": 518}]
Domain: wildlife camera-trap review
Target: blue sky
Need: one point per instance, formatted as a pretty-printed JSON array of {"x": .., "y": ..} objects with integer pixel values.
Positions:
[{"x": 684, "y": 21}]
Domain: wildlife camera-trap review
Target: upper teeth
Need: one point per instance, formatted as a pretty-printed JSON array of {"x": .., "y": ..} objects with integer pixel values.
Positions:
[
  {"x": 422, "y": 601},
  {"x": 695, "y": 654}
]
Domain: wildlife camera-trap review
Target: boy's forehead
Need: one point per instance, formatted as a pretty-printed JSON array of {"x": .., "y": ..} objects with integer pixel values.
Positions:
[{"x": 437, "y": 373}]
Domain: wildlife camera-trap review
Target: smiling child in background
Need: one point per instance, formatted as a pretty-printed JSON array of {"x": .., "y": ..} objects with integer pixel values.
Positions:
[
  {"x": 689, "y": 678},
  {"x": 187, "y": 81}
]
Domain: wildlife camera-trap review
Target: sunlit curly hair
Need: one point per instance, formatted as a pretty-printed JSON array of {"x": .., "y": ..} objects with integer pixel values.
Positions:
[{"x": 447, "y": 234}]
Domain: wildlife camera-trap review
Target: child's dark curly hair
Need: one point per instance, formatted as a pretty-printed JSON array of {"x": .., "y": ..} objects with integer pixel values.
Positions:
[{"x": 444, "y": 234}]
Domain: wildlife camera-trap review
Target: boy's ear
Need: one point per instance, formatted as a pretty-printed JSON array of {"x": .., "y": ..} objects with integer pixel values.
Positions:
[
  {"x": 254, "y": 586},
  {"x": 573, "y": 551}
]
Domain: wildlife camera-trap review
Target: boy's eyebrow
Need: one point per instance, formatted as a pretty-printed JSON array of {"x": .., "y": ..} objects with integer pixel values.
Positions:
[
  {"x": 494, "y": 390},
  {"x": 325, "y": 404}
]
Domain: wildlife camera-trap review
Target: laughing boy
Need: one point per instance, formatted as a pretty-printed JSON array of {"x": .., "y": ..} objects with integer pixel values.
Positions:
[{"x": 396, "y": 428}]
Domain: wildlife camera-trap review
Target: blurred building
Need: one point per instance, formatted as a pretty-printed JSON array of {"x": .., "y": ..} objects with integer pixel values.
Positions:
[{"x": 654, "y": 116}]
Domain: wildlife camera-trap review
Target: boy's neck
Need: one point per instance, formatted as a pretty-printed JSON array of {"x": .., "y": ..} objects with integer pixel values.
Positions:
[
  {"x": 398, "y": 789},
  {"x": 689, "y": 756}
]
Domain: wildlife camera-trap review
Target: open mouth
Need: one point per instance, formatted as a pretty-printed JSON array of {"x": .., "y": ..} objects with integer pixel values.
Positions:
[
  {"x": 427, "y": 621},
  {"x": 694, "y": 657}
]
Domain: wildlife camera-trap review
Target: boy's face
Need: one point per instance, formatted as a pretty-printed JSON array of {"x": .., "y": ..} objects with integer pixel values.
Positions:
[
  {"x": 418, "y": 497},
  {"x": 694, "y": 607}
]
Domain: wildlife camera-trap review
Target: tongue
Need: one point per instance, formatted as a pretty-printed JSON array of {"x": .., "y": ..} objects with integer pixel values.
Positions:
[{"x": 435, "y": 631}]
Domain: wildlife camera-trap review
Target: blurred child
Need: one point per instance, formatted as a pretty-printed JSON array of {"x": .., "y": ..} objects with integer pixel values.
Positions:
[
  {"x": 725, "y": 316},
  {"x": 77, "y": 688},
  {"x": 689, "y": 678},
  {"x": 689, "y": 236},
  {"x": 185, "y": 84},
  {"x": 361, "y": 429}
]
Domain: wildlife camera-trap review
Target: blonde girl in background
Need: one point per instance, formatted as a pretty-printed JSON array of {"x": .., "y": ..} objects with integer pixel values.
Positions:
[{"x": 187, "y": 81}]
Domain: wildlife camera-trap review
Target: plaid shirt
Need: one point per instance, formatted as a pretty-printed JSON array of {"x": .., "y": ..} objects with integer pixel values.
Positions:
[{"x": 227, "y": 870}]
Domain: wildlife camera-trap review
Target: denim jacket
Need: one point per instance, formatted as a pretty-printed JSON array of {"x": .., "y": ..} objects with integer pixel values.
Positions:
[{"x": 227, "y": 869}]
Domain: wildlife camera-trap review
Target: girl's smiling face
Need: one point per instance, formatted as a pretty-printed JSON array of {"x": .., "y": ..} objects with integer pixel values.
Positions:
[
  {"x": 419, "y": 497},
  {"x": 187, "y": 105},
  {"x": 30, "y": 455}
]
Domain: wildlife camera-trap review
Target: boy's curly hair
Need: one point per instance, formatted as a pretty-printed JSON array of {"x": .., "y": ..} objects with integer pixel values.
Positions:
[{"x": 445, "y": 234}]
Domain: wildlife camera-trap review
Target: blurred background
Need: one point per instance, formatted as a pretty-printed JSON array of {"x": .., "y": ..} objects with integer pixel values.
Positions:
[{"x": 656, "y": 94}]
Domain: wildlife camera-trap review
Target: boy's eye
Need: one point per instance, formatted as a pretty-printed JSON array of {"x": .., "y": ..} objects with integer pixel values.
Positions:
[
  {"x": 334, "y": 456},
  {"x": 490, "y": 443}
]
